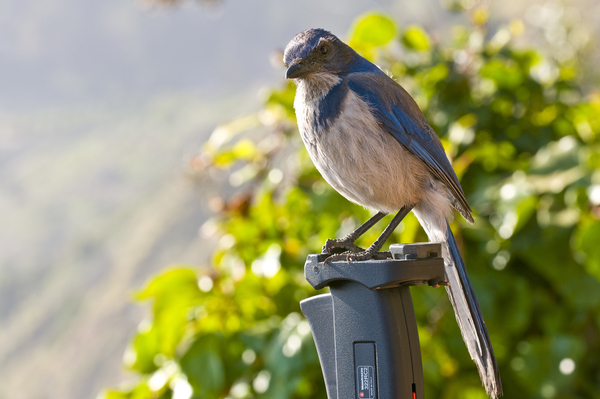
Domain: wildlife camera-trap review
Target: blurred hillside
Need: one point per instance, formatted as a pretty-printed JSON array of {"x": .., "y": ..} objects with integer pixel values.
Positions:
[
  {"x": 93, "y": 202},
  {"x": 101, "y": 104}
]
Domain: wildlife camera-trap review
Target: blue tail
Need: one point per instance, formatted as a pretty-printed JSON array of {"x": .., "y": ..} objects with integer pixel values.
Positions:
[{"x": 470, "y": 320}]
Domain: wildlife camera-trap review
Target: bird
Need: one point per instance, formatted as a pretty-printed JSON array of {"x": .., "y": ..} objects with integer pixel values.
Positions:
[{"x": 371, "y": 142}]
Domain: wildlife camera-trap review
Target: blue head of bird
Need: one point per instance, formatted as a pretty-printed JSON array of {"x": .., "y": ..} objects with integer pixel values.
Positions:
[{"x": 319, "y": 51}]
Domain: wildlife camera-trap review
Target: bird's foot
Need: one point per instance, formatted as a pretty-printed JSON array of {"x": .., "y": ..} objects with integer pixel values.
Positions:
[
  {"x": 350, "y": 256},
  {"x": 341, "y": 246},
  {"x": 369, "y": 254},
  {"x": 337, "y": 257}
]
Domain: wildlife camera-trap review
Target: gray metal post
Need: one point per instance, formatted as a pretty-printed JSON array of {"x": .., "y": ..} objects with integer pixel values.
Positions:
[{"x": 365, "y": 329}]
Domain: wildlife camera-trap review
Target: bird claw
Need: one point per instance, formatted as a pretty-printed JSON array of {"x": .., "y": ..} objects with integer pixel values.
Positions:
[
  {"x": 340, "y": 246},
  {"x": 369, "y": 255},
  {"x": 337, "y": 257},
  {"x": 363, "y": 255}
]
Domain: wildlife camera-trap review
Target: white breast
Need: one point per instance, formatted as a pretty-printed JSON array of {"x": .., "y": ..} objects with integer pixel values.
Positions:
[{"x": 360, "y": 160}]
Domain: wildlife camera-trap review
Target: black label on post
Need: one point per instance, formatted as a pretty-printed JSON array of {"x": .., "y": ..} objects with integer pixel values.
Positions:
[{"x": 366, "y": 370}]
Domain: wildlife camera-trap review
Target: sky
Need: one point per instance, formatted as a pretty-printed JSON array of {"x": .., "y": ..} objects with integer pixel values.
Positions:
[{"x": 67, "y": 52}]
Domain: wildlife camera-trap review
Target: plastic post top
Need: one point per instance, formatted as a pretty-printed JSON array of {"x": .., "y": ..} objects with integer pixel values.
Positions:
[{"x": 411, "y": 264}]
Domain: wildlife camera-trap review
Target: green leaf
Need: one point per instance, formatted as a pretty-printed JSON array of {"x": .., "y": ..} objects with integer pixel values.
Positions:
[
  {"x": 146, "y": 347},
  {"x": 369, "y": 31},
  {"x": 505, "y": 74},
  {"x": 175, "y": 284},
  {"x": 373, "y": 29},
  {"x": 139, "y": 392},
  {"x": 587, "y": 241},
  {"x": 203, "y": 365},
  {"x": 415, "y": 38}
]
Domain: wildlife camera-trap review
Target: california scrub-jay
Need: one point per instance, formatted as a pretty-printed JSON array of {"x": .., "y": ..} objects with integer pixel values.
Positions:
[{"x": 371, "y": 142}]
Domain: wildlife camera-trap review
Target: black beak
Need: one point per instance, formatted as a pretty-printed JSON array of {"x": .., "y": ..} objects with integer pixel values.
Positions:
[{"x": 296, "y": 70}]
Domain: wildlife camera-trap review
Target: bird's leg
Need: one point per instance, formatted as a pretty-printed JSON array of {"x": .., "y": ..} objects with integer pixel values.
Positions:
[
  {"x": 337, "y": 245},
  {"x": 373, "y": 250}
]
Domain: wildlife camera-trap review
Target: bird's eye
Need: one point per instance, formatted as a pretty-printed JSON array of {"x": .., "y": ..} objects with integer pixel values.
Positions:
[{"x": 323, "y": 49}]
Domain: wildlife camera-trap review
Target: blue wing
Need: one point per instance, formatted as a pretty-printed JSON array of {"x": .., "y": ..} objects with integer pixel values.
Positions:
[{"x": 398, "y": 113}]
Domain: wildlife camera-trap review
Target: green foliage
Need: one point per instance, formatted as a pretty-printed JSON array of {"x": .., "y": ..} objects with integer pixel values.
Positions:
[
  {"x": 415, "y": 38},
  {"x": 371, "y": 31},
  {"x": 524, "y": 140}
]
